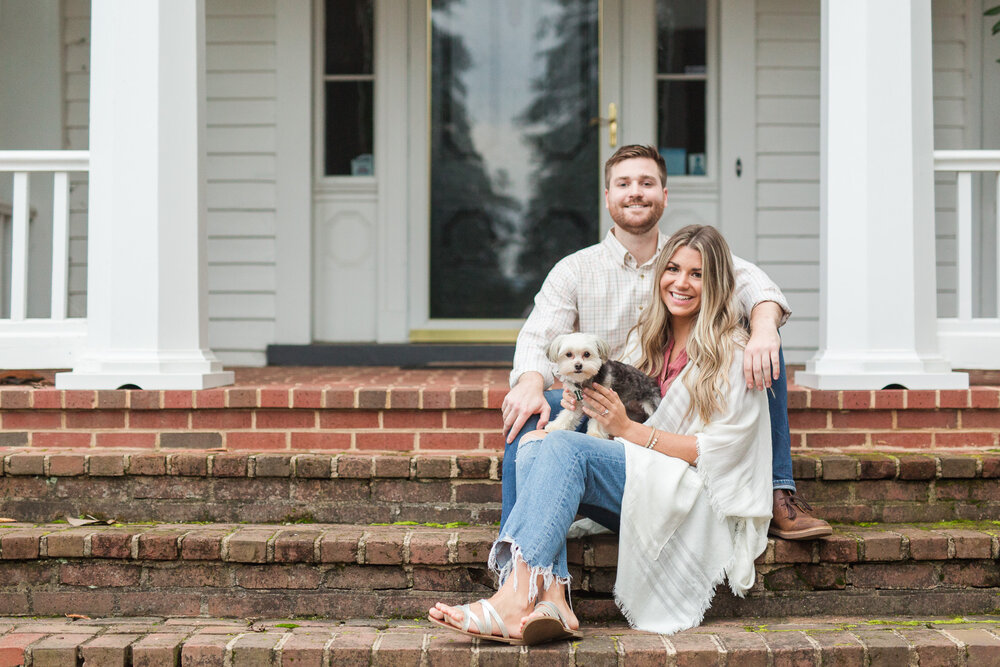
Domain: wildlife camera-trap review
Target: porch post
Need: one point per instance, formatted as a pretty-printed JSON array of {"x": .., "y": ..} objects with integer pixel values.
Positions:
[
  {"x": 878, "y": 311},
  {"x": 146, "y": 290}
]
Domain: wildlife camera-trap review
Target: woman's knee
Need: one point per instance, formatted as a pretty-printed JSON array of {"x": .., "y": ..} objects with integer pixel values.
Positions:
[{"x": 531, "y": 436}]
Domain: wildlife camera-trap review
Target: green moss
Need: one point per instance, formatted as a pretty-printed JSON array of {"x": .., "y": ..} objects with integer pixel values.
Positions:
[
  {"x": 876, "y": 621},
  {"x": 428, "y": 524},
  {"x": 290, "y": 626}
]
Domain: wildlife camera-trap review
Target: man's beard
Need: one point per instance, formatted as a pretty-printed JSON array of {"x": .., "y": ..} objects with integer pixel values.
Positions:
[{"x": 633, "y": 225}]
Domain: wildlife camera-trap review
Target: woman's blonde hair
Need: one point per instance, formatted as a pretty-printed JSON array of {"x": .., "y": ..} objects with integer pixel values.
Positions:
[{"x": 716, "y": 331}]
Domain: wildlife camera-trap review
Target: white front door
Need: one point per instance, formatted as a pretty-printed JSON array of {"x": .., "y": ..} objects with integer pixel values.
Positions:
[{"x": 492, "y": 122}]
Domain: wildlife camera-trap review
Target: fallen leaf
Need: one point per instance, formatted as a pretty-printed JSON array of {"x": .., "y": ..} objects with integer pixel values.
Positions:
[
  {"x": 7, "y": 519},
  {"x": 73, "y": 521},
  {"x": 78, "y": 617}
]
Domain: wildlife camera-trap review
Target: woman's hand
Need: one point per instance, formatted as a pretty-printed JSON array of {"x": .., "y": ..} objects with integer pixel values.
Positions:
[
  {"x": 568, "y": 401},
  {"x": 604, "y": 405}
]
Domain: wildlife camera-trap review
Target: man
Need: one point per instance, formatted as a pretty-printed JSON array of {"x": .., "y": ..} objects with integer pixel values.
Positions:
[{"x": 602, "y": 290}]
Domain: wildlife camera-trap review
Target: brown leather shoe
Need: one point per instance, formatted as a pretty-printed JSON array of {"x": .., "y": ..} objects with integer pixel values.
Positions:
[{"x": 790, "y": 518}]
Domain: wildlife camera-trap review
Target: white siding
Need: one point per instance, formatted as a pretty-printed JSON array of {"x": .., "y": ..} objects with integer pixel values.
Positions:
[
  {"x": 788, "y": 88},
  {"x": 240, "y": 80},
  {"x": 240, "y": 189}
]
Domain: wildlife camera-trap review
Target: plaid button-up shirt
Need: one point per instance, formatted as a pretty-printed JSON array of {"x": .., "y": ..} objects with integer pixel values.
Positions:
[{"x": 602, "y": 290}]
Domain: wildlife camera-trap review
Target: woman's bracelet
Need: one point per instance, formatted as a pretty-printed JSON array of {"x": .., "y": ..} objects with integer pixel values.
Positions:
[{"x": 652, "y": 438}]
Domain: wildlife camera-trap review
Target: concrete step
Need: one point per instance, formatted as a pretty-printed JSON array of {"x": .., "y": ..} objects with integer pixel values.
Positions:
[
  {"x": 969, "y": 641},
  {"x": 346, "y": 571},
  {"x": 364, "y": 487}
]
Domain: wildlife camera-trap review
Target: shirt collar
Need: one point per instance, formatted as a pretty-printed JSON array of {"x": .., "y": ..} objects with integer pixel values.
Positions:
[{"x": 620, "y": 253}]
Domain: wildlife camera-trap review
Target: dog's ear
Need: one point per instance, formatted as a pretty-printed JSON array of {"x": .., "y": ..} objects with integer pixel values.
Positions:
[
  {"x": 603, "y": 349},
  {"x": 555, "y": 346}
]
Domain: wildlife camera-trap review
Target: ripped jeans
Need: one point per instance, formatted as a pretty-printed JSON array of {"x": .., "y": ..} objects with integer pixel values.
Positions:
[{"x": 554, "y": 477}]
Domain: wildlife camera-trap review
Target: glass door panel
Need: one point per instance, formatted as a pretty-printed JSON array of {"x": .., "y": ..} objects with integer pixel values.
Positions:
[
  {"x": 681, "y": 77},
  {"x": 514, "y": 149}
]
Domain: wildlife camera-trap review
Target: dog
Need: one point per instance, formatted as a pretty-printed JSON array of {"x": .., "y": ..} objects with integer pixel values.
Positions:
[{"x": 582, "y": 359}]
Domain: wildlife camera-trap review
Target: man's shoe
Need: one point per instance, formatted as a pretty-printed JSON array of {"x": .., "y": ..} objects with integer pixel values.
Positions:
[{"x": 790, "y": 519}]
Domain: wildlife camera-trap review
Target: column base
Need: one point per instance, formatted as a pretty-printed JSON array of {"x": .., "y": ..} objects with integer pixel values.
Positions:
[
  {"x": 866, "y": 381},
  {"x": 878, "y": 370},
  {"x": 197, "y": 369}
]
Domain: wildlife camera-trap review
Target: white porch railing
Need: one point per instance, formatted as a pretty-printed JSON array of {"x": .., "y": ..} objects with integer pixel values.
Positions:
[
  {"x": 51, "y": 342},
  {"x": 967, "y": 341}
]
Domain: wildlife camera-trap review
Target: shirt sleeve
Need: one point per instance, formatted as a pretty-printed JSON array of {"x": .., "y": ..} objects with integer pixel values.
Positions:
[
  {"x": 555, "y": 312},
  {"x": 753, "y": 286}
]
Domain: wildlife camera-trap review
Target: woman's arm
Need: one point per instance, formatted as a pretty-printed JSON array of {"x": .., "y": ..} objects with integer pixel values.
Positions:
[{"x": 606, "y": 407}]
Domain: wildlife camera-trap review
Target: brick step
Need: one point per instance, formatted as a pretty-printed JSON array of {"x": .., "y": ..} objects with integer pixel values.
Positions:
[
  {"x": 375, "y": 409},
  {"x": 265, "y": 487},
  {"x": 345, "y": 571},
  {"x": 840, "y": 640},
  {"x": 356, "y": 487}
]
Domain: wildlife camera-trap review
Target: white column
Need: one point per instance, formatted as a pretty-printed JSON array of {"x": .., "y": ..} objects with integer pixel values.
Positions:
[
  {"x": 878, "y": 311},
  {"x": 146, "y": 291}
]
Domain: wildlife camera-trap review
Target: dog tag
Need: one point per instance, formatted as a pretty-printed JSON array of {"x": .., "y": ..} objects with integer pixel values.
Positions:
[{"x": 578, "y": 394}]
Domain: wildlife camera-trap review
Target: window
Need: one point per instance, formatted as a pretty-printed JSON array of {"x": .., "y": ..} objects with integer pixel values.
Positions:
[
  {"x": 681, "y": 85},
  {"x": 348, "y": 88}
]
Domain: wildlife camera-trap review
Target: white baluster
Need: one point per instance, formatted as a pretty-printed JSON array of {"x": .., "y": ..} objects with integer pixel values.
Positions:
[
  {"x": 964, "y": 206},
  {"x": 19, "y": 249},
  {"x": 996, "y": 205},
  {"x": 60, "y": 244}
]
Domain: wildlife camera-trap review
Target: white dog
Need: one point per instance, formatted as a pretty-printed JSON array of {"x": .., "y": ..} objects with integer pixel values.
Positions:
[{"x": 582, "y": 359}]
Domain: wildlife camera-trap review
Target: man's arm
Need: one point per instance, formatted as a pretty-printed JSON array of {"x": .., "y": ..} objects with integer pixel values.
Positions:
[
  {"x": 766, "y": 309},
  {"x": 555, "y": 313},
  {"x": 760, "y": 359}
]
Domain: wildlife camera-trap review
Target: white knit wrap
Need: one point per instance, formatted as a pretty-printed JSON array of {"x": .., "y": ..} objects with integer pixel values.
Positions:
[{"x": 684, "y": 529}]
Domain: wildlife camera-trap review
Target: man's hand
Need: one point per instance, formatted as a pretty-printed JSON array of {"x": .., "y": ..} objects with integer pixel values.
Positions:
[
  {"x": 526, "y": 398},
  {"x": 760, "y": 359}
]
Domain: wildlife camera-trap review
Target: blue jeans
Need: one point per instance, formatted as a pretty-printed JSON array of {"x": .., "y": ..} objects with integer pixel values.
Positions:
[
  {"x": 781, "y": 450},
  {"x": 556, "y": 476}
]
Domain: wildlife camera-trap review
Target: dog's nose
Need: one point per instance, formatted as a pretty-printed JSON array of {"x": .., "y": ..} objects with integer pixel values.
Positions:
[{"x": 579, "y": 366}]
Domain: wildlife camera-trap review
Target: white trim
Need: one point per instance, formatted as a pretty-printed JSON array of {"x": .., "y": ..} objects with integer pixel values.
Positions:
[
  {"x": 319, "y": 96},
  {"x": 60, "y": 245},
  {"x": 19, "y": 249},
  {"x": 970, "y": 343},
  {"x": 418, "y": 125},
  {"x": 636, "y": 70},
  {"x": 44, "y": 160},
  {"x": 390, "y": 130},
  {"x": 966, "y": 160},
  {"x": 293, "y": 209},
  {"x": 611, "y": 63},
  {"x": 41, "y": 343},
  {"x": 738, "y": 127}
]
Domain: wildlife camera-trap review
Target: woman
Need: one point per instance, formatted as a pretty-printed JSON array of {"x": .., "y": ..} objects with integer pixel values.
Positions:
[{"x": 692, "y": 484}]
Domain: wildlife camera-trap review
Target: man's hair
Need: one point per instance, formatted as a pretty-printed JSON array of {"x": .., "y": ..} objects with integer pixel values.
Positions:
[{"x": 635, "y": 151}]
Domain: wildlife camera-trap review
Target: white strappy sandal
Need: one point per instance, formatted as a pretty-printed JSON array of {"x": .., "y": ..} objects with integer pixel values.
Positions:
[
  {"x": 548, "y": 628},
  {"x": 484, "y": 627}
]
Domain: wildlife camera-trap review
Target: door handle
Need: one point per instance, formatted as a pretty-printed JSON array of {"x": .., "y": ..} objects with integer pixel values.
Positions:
[{"x": 611, "y": 121}]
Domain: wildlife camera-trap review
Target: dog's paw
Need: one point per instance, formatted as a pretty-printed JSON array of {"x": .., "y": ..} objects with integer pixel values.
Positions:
[
  {"x": 552, "y": 426},
  {"x": 596, "y": 430}
]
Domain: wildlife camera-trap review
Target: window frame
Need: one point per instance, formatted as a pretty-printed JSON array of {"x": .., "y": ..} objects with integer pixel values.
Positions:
[
  {"x": 339, "y": 182},
  {"x": 710, "y": 180}
]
